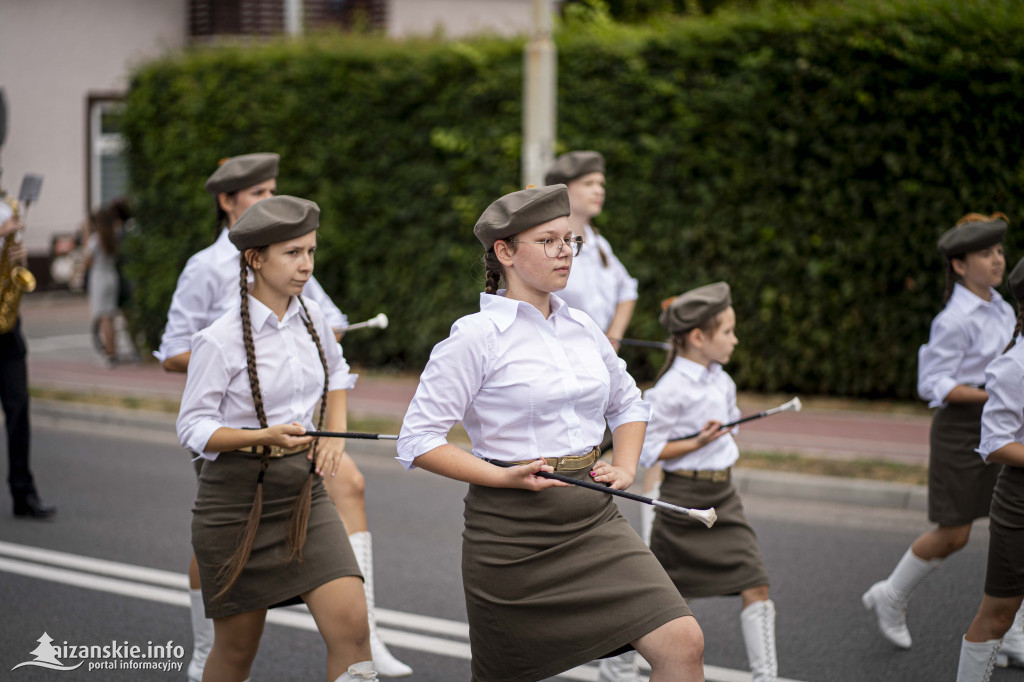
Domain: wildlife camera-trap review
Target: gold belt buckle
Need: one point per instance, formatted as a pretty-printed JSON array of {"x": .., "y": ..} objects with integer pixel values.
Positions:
[{"x": 276, "y": 451}]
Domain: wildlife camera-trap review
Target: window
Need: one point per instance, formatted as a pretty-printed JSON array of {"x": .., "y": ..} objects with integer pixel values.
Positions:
[{"x": 108, "y": 168}]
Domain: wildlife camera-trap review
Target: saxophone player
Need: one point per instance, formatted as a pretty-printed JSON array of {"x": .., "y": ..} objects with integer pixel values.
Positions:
[{"x": 14, "y": 395}]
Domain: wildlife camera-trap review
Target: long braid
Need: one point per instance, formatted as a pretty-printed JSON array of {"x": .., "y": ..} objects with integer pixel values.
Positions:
[
  {"x": 1018, "y": 328},
  {"x": 494, "y": 272},
  {"x": 300, "y": 510},
  {"x": 676, "y": 342},
  {"x": 951, "y": 279},
  {"x": 232, "y": 568},
  {"x": 604, "y": 256}
]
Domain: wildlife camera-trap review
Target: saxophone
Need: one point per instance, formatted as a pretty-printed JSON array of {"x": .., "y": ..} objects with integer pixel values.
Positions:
[{"x": 15, "y": 280}]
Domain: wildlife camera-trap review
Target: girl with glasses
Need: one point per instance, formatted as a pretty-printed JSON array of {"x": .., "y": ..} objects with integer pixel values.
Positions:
[{"x": 553, "y": 575}]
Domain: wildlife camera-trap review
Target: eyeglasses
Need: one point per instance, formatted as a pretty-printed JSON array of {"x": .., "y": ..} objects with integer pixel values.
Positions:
[{"x": 553, "y": 247}]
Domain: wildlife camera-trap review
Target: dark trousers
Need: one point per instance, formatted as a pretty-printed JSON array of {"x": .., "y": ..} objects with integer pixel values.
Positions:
[{"x": 14, "y": 397}]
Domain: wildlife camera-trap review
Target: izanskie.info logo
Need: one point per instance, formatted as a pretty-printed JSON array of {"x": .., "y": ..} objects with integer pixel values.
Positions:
[{"x": 114, "y": 656}]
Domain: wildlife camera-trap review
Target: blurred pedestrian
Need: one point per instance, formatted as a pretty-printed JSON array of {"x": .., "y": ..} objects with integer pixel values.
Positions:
[
  {"x": 207, "y": 289},
  {"x": 241, "y": 409},
  {"x": 972, "y": 329},
  {"x": 14, "y": 391},
  {"x": 999, "y": 619},
  {"x": 553, "y": 575},
  {"x": 103, "y": 245}
]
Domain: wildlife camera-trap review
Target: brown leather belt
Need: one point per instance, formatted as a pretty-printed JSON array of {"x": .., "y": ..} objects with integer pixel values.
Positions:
[
  {"x": 569, "y": 463},
  {"x": 719, "y": 476},
  {"x": 275, "y": 450}
]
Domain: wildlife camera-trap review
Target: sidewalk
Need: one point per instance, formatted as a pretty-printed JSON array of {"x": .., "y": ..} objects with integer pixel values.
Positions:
[{"x": 61, "y": 358}]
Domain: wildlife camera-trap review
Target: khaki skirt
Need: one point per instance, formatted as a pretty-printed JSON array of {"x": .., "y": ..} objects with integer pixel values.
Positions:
[
  {"x": 706, "y": 562},
  {"x": 960, "y": 484},
  {"x": 1004, "y": 576},
  {"x": 227, "y": 486},
  {"x": 554, "y": 579}
]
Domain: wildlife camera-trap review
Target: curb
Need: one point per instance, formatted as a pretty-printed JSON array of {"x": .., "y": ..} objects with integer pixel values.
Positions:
[{"x": 759, "y": 482}]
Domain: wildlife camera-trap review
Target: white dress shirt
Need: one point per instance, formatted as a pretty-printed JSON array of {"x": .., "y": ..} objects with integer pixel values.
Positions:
[
  {"x": 217, "y": 391},
  {"x": 1002, "y": 422},
  {"x": 686, "y": 398},
  {"x": 593, "y": 288},
  {"x": 522, "y": 386},
  {"x": 208, "y": 287},
  {"x": 965, "y": 337}
]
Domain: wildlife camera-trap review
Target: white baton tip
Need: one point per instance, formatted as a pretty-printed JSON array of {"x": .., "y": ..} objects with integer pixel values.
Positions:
[{"x": 705, "y": 516}]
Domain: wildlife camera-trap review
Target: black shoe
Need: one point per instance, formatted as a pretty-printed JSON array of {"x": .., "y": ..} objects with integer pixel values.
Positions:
[{"x": 31, "y": 506}]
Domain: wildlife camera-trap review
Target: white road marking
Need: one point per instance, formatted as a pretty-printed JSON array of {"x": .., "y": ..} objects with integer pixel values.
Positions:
[{"x": 168, "y": 587}]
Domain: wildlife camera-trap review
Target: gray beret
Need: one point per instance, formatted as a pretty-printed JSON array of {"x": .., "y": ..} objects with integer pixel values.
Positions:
[
  {"x": 519, "y": 211},
  {"x": 239, "y": 172},
  {"x": 1016, "y": 281},
  {"x": 572, "y": 165},
  {"x": 688, "y": 311},
  {"x": 273, "y": 220},
  {"x": 974, "y": 236}
]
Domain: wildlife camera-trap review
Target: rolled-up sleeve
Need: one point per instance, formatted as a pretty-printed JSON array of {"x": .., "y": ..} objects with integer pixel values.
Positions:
[
  {"x": 625, "y": 404},
  {"x": 665, "y": 413},
  {"x": 199, "y": 416},
  {"x": 1002, "y": 421},
  {"x": 189, "y": 311},
  {"x": 452, "y": 377},
  {"x": 938, "y": 361}
]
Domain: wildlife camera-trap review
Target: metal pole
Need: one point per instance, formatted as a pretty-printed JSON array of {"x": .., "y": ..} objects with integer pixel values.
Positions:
[
  {"x": 293, "y": 17},
  {"x": 539, "y": 96}
]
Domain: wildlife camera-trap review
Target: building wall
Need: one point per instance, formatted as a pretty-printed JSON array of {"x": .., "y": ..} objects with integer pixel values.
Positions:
[
  {"x": 54, "y": 54},
  {"x": 454, "y": 18}
]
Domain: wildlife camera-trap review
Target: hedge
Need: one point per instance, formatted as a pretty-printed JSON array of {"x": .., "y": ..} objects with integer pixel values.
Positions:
[{"x": 810, "y": 157}]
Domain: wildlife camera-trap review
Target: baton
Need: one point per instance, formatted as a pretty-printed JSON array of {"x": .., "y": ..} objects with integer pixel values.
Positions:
[
  {"x": 793, "y": 405},
  {"x": 705, "y": 516},
  {"x": 378, "y": 322},
  {"x": 660, "y": 345},
  {"x": 351, "y": 434}
]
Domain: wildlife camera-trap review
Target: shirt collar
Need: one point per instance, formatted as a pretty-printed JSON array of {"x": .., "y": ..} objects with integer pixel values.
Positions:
[
  {"x": 260, "y": 315},
  {"x": 695, "y": 370},
  {"x": 967, "y": 301},
  {"x": 503, "y": 311}
]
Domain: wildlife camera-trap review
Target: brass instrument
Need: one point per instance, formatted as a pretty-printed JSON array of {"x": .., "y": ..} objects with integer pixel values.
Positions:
[{"x": 15, "y": 280}]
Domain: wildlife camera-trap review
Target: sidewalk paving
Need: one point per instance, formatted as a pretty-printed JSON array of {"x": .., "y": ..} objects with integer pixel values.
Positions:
[{"x": 61, "y": 358}]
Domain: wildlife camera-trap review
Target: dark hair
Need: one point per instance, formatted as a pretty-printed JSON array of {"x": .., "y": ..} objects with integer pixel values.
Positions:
[
  {"x": 1017, "y": 328},
  {"x": 604, "y": 256},
  {"x": 678, "y": 341},
  {"x": 222, "y": 215},
  {"x": 494, "y": 271},
  {"x": 103, "y": 223},
  {"x": 231, "y": 569}
]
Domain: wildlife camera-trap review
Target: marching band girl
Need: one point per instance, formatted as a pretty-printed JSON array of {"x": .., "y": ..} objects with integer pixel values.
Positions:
[
  {"x": 553, "y": 575},
  {"x": 972, "y": 329},
  {"x": 264, "y": 531},
  {"x": 206, "y": 289},
  {"x": 1002, "y": 442}
]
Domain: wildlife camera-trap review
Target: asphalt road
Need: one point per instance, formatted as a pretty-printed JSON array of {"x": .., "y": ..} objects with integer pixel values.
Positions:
[{"x": 126, "y": 500}]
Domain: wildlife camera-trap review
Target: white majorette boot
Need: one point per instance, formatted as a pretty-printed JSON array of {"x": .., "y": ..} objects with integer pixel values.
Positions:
[
  {"x": 387, "y": 665},
  {"x": 358, "y": 672},
  {"x": 1011, "y": 651},
  {"x": 976, "y": 660},
  {"x": 202, "y": 636},
  {"x": 621, "y": 668},
  {"x": 758, "y": 623},
  {"x": 888, "y": 598}
]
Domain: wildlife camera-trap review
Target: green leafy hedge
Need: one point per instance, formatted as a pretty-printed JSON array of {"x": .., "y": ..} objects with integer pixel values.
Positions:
[{"x": 809, "y": 157}]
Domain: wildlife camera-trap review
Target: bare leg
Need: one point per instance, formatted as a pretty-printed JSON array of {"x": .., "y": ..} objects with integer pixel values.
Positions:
[
  {"x": 759, "y": 593},
  {"x": 941, "y": 542},
  {"x": 236, "y": 641},
  {"x": 994, "y": 618},
  {"x": 193, "y": 573},
  {"x": 107, "y": 335},
  {"x": 675, "y": 651},
  {"x": 339, "y": 609},
  {"x": 347, "y": 490}
]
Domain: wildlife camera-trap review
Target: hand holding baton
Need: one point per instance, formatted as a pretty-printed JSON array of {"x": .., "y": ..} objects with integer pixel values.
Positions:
[
  {"x": 793, "y": 405},
  {"x": 705, "y": 516}
]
